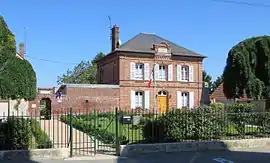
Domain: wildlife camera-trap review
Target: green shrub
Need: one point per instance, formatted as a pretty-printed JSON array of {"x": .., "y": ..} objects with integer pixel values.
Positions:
[
  {"x": 153, "y": 131},
  {"x": 15, "y": 134},
  {"x": 217, "y": 106},
  {"x": 42, "y": 139},
  {"x": 182, "y": 124},
  {"x": 240, "y": 115}
]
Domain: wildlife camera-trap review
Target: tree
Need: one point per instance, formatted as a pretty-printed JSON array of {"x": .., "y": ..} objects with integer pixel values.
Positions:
[
  {"x": 84, "y": 73},
  {"x": 247, "y": 69},
  {"x": 17, "y": 77},
  {"x": 97, "y": 57},
  {"x": 207, "y": 79}
]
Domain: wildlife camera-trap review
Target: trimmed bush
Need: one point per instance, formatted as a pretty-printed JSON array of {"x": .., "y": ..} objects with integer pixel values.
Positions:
[
  {"x": 154, "y": 131},
  {"x": 202, "y": 123},
  {"x": 217, "y": 106},
  {"x": 241, "y": 115},
  {"x": 15, "y": 134},
  {"x": 42, "y": 139}
]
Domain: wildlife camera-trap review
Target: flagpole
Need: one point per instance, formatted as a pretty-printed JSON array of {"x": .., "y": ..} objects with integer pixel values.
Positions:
[{"x": 155, "y": 85}]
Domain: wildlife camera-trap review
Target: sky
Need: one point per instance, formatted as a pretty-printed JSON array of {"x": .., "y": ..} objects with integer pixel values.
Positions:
[{"x": 69, "y": 31}]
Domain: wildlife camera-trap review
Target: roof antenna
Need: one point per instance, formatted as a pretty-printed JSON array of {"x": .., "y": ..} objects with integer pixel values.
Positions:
[{"x": 110, "y": 21}]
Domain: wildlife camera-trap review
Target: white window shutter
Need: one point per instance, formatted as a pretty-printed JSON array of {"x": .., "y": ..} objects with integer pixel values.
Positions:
[
  {"x": 156, "y": 72},
  {"x": 146, "y": 71},
  {"x": 146, "y": 100},
  {"x": 170, "y": 72},
  {"x": 179, "y": 100},
  {"x": 191, "y": 100},
  {"x": 191, "y": 74},
  {"x": 179, "y": 74},
  {"x": 132, "y": 99},
  {"x": 132, "y": 70}
]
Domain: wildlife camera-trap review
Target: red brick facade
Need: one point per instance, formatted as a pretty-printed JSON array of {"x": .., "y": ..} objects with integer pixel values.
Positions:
[{"x": 119, "y": 85}]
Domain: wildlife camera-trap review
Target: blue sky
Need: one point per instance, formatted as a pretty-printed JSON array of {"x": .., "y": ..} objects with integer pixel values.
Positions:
[{"x": 71, "y": 31}]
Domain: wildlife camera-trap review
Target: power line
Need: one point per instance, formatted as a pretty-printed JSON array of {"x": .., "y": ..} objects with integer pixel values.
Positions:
[
  {"x": 51, "y": 61},
  {"x": 243, "y": 3}
]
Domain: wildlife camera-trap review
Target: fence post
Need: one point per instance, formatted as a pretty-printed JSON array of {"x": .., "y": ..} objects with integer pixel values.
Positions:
[
  {"x": 95, "y": 126},
  {"x": 70, "y": 133},
  {"x": 116, "y": 133}
]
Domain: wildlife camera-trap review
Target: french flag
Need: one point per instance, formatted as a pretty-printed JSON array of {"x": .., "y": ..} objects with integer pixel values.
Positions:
[{"x": 151, "y": 78}]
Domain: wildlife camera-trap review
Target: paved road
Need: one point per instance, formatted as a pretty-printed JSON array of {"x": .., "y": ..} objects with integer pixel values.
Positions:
[{"x": 260, "y": 156}]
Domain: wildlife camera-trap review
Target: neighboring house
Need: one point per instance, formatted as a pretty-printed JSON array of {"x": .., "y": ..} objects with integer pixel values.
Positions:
[
  {"x": 219, "y": 96},
  {"x": 124, "y": 74},
  {"x": 14, "y": 107}
]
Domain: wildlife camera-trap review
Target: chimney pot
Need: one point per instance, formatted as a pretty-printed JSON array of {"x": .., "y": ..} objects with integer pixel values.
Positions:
[
  {"x": 22, "y": 51},
  {"x": 115, "y": 37}
]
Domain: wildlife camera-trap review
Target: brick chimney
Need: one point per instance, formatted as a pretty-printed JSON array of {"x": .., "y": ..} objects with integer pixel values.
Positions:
[
  {"x": 115, "y": 37},
  {"x": 22, "y": 50}
]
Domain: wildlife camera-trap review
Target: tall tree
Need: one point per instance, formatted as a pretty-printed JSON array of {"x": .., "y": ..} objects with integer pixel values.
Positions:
[
  {"x": 84, "y": 73},
  {"x": 248, "y": 69},
  {"x": 207, "y": 79},
  {"x": 17, "y": 77}
]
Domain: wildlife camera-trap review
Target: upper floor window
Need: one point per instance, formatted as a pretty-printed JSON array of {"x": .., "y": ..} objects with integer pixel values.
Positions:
[
  {"x": 162, "y": 73},
  {"x": 139, "y": 71},
  {"x": 185, "y": 73}
]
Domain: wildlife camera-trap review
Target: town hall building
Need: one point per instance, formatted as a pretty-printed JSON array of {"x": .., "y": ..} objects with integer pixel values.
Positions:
[{"x": 146, "y": 72}]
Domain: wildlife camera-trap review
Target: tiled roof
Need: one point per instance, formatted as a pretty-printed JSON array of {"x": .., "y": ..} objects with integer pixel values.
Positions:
[
  {"x": 144, "y": 43},
  {"x": 219, "y": 95}
]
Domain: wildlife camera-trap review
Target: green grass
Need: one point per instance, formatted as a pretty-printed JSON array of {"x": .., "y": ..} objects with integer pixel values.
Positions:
[{"x": 132, "y": 134}]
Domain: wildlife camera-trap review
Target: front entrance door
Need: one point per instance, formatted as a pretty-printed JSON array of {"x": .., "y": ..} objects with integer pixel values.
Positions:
[{"x": 162, "y": 102}]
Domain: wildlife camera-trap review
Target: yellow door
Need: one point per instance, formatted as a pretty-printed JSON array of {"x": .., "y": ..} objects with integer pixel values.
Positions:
[{"x": 162, "y": 104}]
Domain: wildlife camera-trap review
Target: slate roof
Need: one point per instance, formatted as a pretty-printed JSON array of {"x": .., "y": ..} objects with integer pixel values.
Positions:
[{"x": 144, "y": 43}]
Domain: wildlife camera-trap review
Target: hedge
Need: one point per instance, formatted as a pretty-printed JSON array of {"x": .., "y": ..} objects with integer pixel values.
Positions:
[
  {"x": 15, "y": 134},
  {"x": 42, "y": 139},
  {"x": 204, "y": 123},
  {"x": 100, "y": 134}
]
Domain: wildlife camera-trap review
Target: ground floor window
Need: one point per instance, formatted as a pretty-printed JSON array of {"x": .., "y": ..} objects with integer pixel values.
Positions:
[
  {"x": 139, "y": 98},
  {"x": 185, "y": 99}
]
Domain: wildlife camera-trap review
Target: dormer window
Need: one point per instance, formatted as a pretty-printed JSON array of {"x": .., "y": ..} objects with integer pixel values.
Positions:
[{"x": 162, "y": 49}]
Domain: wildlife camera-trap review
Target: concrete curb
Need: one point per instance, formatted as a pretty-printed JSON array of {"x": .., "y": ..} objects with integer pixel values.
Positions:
[
  {"x": 138, "y": 149},
  {"x": 34, "y": 154}
]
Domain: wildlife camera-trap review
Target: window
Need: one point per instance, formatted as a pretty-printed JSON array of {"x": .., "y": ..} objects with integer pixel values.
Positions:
[
  {"x": 139, "y": 100},
  {"x": 162, "y": 73},
  {"x": 185, "y": 73},
  {"x": 139, "y": 71},
  {"x": 162, "y": 93},
  {"x": 185, "y": 99}
]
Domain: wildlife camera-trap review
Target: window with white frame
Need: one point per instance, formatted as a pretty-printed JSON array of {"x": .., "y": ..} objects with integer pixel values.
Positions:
[
  {"x": 139, "y": 99},
  {"x": 185, "y": 73},
  {"x": 139, "y": 71},
  {"x": 185, "y": 99},
  {"x": 162, "y": 73}
]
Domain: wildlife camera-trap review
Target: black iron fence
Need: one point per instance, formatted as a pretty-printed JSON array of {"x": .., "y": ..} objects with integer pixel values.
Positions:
[{"x": 87, "y": 132}]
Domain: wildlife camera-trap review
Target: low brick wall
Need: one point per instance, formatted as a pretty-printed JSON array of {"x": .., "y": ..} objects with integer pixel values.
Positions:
[
  {"x": 35, "y": 154},
  {"x": 138, "y": 149}
]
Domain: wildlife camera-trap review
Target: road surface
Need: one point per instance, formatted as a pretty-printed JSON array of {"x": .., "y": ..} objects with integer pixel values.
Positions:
[{"x": 257, "y": 155}]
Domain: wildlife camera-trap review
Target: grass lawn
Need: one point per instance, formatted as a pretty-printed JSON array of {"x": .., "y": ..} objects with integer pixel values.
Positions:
[{"x": 132, "y": 134}]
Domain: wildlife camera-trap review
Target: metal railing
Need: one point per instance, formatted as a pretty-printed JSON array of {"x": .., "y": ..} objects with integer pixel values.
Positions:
[{"x": 92, "y": 131}]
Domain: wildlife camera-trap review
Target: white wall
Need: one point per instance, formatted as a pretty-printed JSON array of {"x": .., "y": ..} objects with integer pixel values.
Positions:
[{"x": 11, "y": 104}]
